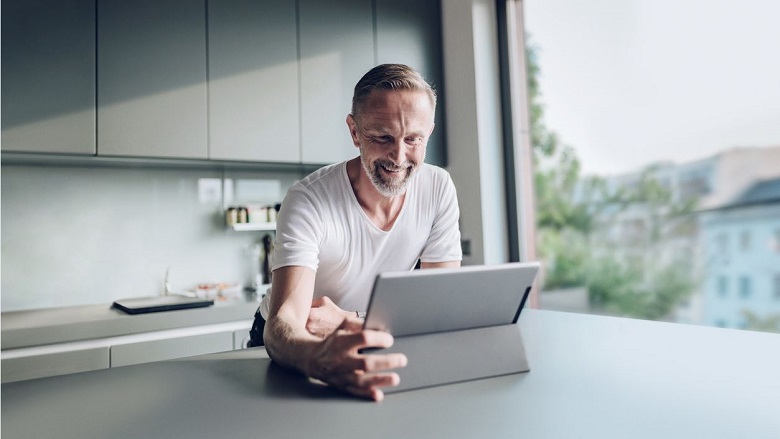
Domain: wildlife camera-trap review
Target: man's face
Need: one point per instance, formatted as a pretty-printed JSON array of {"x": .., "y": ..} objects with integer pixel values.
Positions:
[{"x": 392, "y": 132}]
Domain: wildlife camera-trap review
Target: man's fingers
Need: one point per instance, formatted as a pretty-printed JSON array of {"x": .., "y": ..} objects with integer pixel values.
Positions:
[
  {"x": 374, "y": 363},
  {"x": 360, "y": 339}
]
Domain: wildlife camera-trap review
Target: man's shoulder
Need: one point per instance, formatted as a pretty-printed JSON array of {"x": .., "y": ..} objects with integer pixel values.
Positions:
[
  {"x": 324, "y": 178},
  {"x": 435, "y": 170},
  {"x": 432, "y": 175}
]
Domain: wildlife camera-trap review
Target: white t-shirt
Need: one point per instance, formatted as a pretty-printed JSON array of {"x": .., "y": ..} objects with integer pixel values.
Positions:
[{"x": 322, "y": 226}]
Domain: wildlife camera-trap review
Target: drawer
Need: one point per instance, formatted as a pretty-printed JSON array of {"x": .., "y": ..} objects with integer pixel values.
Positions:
[
  {"x": 56, "y": 363},
  {"x": 170, "y": 348}
]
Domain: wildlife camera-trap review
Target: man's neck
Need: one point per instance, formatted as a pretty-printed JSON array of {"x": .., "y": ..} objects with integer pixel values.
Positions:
[{"x": 381, "y": 210}]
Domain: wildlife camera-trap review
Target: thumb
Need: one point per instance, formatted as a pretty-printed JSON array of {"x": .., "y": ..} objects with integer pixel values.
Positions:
[{"x": 317, "y": 302}]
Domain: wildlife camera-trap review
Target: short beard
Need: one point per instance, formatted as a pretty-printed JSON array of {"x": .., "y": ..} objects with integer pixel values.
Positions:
[{"x": 388, "y": 188}]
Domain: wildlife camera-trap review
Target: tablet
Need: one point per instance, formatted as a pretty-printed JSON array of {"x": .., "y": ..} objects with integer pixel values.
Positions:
[
  {"x": 448, "y": 299},
  {"x": 143, "y": 305}
]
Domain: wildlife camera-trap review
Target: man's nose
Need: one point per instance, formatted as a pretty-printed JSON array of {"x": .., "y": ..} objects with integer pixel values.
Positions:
[{"x": 398, "y": 151}]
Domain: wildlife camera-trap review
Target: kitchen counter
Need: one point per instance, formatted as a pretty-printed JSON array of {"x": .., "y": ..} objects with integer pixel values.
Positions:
[
  {"x": 21, "y": 329},
  {"x": 591, "y": 377}
]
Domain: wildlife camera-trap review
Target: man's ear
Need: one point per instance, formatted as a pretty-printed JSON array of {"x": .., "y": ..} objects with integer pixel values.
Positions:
[{"x": 352, "y": 125}]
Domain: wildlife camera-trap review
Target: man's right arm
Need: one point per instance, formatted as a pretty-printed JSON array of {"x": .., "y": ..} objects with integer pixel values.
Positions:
[{"x": 335, "y": 359}]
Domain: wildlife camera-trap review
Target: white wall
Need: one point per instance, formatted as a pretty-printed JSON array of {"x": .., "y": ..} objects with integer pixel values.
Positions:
[{"x": 87, "y": 235}]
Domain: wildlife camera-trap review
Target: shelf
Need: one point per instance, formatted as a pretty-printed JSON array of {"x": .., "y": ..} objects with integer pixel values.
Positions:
[{"x": 246, "y": 227}]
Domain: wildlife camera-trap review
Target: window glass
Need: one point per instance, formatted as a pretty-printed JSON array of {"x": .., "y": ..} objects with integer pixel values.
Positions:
[{"x": 657, "y": 157}]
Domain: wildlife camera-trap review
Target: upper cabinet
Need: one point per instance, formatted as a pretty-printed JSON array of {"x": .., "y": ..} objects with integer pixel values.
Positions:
[
  {"x": 152, "y": 93},
  {"x": 48, "y": 74},
  {"x": 337, "y": 48},
  {"x": 253, "y": 81},
  {"x": 409, "y": 32},
  {"x": 247, "y": 80}
]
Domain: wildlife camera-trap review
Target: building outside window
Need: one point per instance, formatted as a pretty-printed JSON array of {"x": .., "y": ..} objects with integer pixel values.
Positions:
[
  {"x": 775, "y": 243},
  {"x": 657, "y": 158},
  {"x": 744, "y": 240},
  {"x": 723, "y": 286},
  {"x": 776, "y": 289}
]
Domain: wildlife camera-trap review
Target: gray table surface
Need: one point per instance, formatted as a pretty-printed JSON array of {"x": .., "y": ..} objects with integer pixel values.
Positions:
[{"x": 591, "y": 377}]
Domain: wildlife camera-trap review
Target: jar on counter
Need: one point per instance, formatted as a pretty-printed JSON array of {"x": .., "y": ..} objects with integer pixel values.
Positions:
[
  {"x": 231, "y": 216},
  {"x": 243, "y": 215}
]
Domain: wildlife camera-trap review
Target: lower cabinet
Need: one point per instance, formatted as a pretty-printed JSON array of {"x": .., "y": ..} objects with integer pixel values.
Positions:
[
  {"x": 240, "y": 339},
  {"x": 83, "y": 356},
  {"x": 168, "y": 349},
  {"x": 18, "y": 368}
]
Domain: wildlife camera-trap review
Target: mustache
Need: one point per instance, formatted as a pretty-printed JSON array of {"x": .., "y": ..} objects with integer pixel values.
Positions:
[{"x": 390, "y": 166}]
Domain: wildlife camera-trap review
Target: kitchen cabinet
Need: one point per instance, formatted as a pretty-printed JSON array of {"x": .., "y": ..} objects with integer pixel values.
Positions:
[
  {"x": 253, "y": 81},
  {"x": 241, "y": 339},
  {"x": 48, "y": 71},
  {"x": 169, "y": 348},
  {"x": 409, "y": 32},
  {"x": 337, "y": 48},
  {"x": 52, "y": 359},
  {"x": 152, "y": 92},
  {"x": 44, "y": 364}
]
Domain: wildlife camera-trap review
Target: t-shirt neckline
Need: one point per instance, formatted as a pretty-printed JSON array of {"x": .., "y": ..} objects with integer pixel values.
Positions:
[{"x": 364, "y": 215}]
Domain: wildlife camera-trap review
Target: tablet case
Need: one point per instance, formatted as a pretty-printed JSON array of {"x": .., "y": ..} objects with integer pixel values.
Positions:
[
  {"x": 145, "y": 305},
  {"x": 453, "y": 324}
]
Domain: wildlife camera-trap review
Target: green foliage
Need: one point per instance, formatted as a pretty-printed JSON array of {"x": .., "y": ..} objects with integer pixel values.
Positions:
[
  {"x": 575, "y": 215},
  {"x": 769, "y": 323},
  {"x": 638, "y": 289}
]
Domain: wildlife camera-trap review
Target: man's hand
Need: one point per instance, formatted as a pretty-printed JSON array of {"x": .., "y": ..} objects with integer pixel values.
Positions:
[
  {"x": 324, "y": 317},
  {"x": 337, "y": 361}
]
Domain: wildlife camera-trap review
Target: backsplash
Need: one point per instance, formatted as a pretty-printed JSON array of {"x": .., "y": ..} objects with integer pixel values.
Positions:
[{"x": 75, "y": 235}]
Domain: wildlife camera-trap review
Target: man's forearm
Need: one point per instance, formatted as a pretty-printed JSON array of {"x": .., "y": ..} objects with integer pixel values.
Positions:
[{"x": 288, "y": 347}]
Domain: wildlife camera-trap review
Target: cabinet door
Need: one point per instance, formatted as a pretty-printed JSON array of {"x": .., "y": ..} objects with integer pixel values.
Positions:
[
  {"x": 409, "y": 32},
  {"x": 337, "y": 48},
  {"x": 253, "y": 81},
  {"x": 167, "y": 349},
  {"x": 48, "y": 71},
  {"x": 152, "y": 78},
  {"x": 57, "y": 363}
]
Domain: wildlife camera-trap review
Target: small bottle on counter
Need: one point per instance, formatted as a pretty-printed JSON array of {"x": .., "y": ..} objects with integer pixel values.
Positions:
[
  {"x": 243, "y": 215},
  {"x": 231, "y": 216}
]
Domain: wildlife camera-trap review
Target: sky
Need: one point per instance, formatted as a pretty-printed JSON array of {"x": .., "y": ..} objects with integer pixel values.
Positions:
[{"x": 630, "y": 82}]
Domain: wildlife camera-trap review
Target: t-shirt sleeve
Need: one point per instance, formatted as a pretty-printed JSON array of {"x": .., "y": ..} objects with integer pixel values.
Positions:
[
  {"x": 443, "y": 243},
  {"x": 298, "y": 231}
]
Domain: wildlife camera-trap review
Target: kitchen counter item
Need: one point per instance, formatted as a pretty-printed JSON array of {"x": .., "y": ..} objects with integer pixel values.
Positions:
[{"x": 143, "y": 305}]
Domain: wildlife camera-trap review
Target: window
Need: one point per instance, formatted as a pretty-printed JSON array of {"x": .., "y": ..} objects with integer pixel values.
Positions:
[
  {"x": 649, "y": 193},
  {"x": 745, "y": 287}
]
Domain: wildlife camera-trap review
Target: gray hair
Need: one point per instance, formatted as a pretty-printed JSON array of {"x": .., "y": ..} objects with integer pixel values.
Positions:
[{"x": 398, "y": 77}]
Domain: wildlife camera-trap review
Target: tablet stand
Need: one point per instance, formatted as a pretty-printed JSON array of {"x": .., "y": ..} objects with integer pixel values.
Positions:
[{"x": 463, "y": 355}]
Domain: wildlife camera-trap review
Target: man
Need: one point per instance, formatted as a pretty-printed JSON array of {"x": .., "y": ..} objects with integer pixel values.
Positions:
[{"x": 343, "y": 224}]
